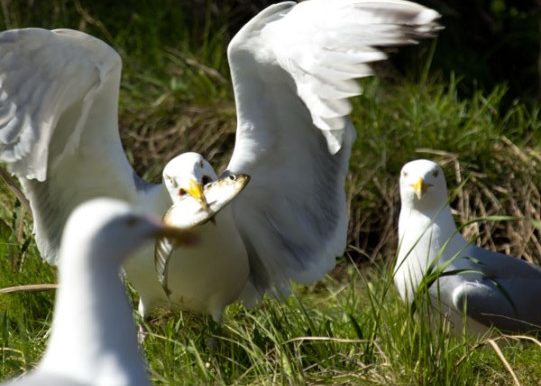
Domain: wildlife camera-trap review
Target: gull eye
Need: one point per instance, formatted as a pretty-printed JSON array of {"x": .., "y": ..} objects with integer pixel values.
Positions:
[
  {"x": 182, "y": 192},
  {"x": 201, "y": 164},
  {"x": 435, "y": 173},
  {"x": 404, "y": 174},
  {"x": 206, "y": 180},
  {"x": 232, "y": 177}
]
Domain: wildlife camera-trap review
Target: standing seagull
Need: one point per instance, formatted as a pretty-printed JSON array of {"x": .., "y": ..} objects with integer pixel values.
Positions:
[
  {"x": 493, "y": 289},
  {"x": 293, "y": 68},
  {"x": 93, "y": 339}
]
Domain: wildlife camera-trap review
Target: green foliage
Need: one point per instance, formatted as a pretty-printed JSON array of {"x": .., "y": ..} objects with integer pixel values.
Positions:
[
  {"x": 351, "y": 331},
  {"x": 490, "y": 42},
  {"x": 24, "y": 318},
  {"x": 395, "y": 122}
]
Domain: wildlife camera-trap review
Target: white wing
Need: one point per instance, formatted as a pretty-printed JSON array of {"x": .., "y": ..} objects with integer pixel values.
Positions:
[
  {"x": 58, "y": 124},
  {"x": 293, "y": 68}
]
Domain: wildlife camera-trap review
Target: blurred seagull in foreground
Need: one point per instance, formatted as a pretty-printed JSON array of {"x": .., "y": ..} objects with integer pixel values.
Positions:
[
  {"x": 493, "y": 289},
  {"x": 93, "y": 338},
  {"x": 293, "y": 68}
]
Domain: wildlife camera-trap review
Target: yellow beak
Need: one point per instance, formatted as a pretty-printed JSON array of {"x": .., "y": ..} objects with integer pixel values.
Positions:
[
  {"x": 420, "y": 187},
  {"x": 196, "y": 191}
]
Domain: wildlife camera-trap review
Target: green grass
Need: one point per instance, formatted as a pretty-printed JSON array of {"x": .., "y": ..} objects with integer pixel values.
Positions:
[
  {"x": 351, "y": 328},
  {"x": 349, "y": 331}
]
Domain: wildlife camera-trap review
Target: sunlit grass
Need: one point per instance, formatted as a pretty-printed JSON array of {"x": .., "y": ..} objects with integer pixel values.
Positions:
[{"x": 348, "y": 329}]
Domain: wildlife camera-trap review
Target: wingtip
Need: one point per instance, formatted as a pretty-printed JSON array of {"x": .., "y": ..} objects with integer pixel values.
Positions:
[
  {"x": 427, "y": 16},
  {"x": 333, "y": 146},
  {"x": 426, "y": 23},
  {"x": 333, "y": 136}
]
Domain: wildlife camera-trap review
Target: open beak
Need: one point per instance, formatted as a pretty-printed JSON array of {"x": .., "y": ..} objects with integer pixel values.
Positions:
[
  {"x": 420, "y": 187},
  {"x": 196, "y": 191}
]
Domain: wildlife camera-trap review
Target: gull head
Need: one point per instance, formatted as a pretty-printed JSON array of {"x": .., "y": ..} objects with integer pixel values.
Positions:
[
  {"x": 185, "y": 177},
  {"x": 110, "y": 229},
  {"x": 422, "y": 185}
]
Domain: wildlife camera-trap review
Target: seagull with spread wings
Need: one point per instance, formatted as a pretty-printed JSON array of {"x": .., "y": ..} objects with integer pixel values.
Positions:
[{"x": 293, "y": 68}]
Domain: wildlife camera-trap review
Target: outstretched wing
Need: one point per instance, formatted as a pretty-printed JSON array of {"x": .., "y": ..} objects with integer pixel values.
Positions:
[
  {"x": 58, "y": 124},
  {"x": 293, "y": 68}
]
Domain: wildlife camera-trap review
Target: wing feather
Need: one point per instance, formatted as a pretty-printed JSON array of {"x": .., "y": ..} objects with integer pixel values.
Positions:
[
  {"x": 58, "y": 124},
  {"x": 348, "y": 27},
  {"x": 500, "y": 303},
  {"x": 293, "y": 68},
  {"x": 500, "y": 296}
]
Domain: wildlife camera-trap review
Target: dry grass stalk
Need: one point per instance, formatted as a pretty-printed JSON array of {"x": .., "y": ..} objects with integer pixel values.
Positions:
[
  {"x": 500, "y": 355},
  {"x": 28, "y": 288}
]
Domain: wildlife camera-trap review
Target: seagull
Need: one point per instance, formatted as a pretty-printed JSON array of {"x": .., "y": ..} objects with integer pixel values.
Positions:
[
  {"x": 93, "y": 338},
  {"x": 492, "y": 289},
  {"x": 293, "y": 68}
]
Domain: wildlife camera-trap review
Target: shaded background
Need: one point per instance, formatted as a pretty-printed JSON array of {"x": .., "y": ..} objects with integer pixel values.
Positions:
[{"x": 486, "y": 42}]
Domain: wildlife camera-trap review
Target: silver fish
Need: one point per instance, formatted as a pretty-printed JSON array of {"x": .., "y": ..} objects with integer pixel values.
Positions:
[{"x": 188, "y": 213}]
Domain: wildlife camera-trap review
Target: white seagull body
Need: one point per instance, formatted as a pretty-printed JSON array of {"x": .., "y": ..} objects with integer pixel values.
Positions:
[
  {"x": 493, "y": 289},
  {"x": 93, "y": 337},
  {"x": 293, "y": 68}
]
